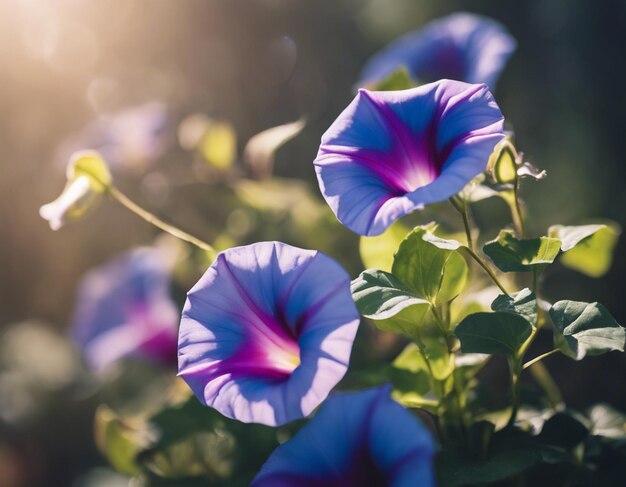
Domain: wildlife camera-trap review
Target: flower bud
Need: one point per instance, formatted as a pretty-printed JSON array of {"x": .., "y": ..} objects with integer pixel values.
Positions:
[
  {"x": 92, "y": 165},
  {"x": 87, "y": 178},
  {"x": 502, "y": 164},
  {"x": 77, "y": 199}
]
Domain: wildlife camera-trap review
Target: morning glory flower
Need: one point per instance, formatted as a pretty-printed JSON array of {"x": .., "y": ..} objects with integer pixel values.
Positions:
[
  {"x": 392, "y": 152},
  {"x": 130, "y": 138},
  {"x": 461, "y": 46},
  {"x": 267, "y": 332},
  {"x": 356, "y": 439},
  {"x": 124, "y": 309}
]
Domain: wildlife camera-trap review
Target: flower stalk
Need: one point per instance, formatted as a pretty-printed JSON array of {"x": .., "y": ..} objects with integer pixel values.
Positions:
[{"x": 129, "y": 204}]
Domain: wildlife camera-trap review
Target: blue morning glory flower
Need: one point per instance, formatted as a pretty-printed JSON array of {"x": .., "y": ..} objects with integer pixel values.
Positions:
[
  {"x": 267, "y": 332},
  {"x": 124, "y": 309},
  {"x": 132, "y": 138},
  {"x": 461, "y": 46},
  {"x": 392, "y": 152},
  {"x": 356, "y": 439}
]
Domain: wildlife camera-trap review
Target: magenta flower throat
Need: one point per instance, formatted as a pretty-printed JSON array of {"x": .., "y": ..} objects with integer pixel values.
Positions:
[
  {"x": 392, "y": 152},
  {"x": 267, "y": 332}
]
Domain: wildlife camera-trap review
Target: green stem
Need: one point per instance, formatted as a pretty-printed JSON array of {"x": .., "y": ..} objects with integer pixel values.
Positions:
[
  {"x": 441, "y": 324},
  {"x": 515, "y": 366},
  {"x": 544, "y": 379},
  {"x": 539, "y": 358},
  {"x": 524, "y": 348},
  {"x": 516, "y": 211},
  {"x": 487, "y": 269},
  {"x": 461, "y": 207},
  {"x": 125, "y": 201}
]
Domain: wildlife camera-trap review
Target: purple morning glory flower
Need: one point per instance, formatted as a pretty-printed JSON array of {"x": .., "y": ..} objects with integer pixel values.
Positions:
[
  {"x": 267, "y": 332},
  {"x": 131, "y": 138},
  {"x": 461, "y": 46},
  {"x": 392, "y": 152},
  {"x": 356, "y": 439},
  {"x": 124, "y": 309}
]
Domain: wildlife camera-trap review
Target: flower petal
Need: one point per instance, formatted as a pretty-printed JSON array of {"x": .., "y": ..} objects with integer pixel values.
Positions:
[
  {"x": 124, "y": 308},
  {"x": 356, "y": 439},
  {"x": 461, "y": 46},
  {"x": 432, "y": 140},
  {"x": 267, "y": 332}
]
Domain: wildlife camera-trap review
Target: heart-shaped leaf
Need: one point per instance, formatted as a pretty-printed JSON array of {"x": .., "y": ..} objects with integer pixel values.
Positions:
[
  {"x": 491, "y": 333},
  {"x": 523, "y": 303},
  {"x": 432, "y": 267},
  {"x": 587, "y": 248},
  {"x": 511, "y": 254},
  {"x": 586, "y": 329},
  {"x": 377, "y": 252},
  {"x": 382, "y": 297}
]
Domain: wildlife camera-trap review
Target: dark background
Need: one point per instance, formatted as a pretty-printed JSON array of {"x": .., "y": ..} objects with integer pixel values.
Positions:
[{"x": 258, "y": 63}]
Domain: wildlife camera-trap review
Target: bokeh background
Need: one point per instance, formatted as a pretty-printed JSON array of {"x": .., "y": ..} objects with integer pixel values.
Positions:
[{"x": 259, "y": 63}]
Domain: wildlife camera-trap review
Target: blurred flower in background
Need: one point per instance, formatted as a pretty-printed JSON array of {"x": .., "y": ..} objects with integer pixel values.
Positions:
[
  {"x": 461, "y": 46},
  {"x": 361, "y": 438},
  {"x": 129, "y": 139},
  {"x": 267, "y": 332},
  {"x": 124, "y": 309}
]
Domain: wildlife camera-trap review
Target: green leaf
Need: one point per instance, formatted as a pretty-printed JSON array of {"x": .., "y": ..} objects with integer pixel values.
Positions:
[
  {"x": 118, "y": 441},
  {"x": 194, "y": 440},
  {"x": 607, "y": 421},
  {"x": 377, "y": 252},
  {"x": 587, "y": 248},
  {"x": 564, "y": 429},
  {"x": 523, "y": 303},
  {"x": 467, "y": 365},
  {"x": 412, "y": 376},
  {"x": 177, "y": 422},
  {"x": 491, "y": 333},
  {"x": 92, "y": 165},
  {"x": 382, "y": 297},
  {"x": 261, "y": 149},
  {"x": 441, "y": 243},
  {"x": 473, "y": 193},
  {"x": 509, "y": 454},
  {"x": 209, "y": 454},
  {"x": 586, "y": 328},
  {"x": 398, "y": 80},
  {"x": 511, "y": 254},
  {"x": 430, "y": 266},
  {"x": 473, "y": 302},
  {"x": 436, "y": 350},
  {"x": 411, "y": 379}
]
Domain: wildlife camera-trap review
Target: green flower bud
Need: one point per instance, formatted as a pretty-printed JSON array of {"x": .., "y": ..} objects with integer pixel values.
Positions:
[
  {"x": 87, "y": 178},
  {"x": 502, "y": 165}
]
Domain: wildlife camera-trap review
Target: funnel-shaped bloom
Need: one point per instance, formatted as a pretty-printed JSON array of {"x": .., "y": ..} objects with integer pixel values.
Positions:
[
  {"x": 355, "y": 440},
  {"x": 124, "y": 309},
  {"x": 392, "y": 152},
  {"x": 267, "y": 332},
  {"x": 461, "y": 46}
]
